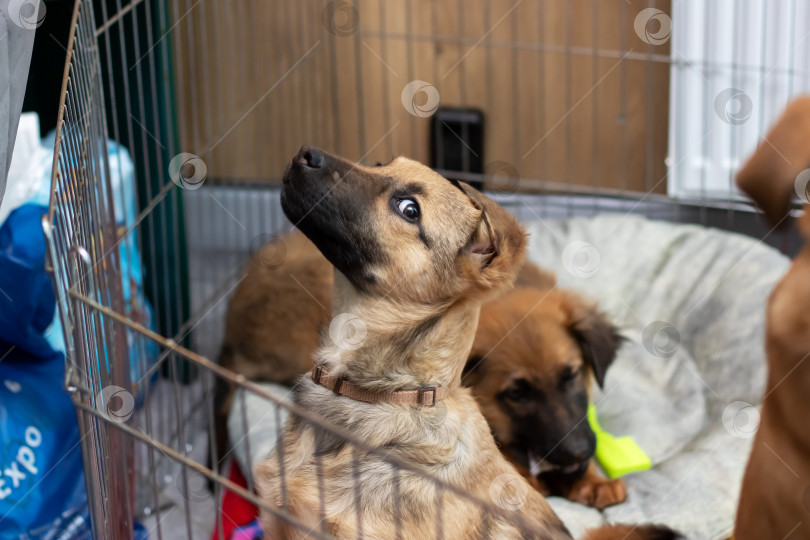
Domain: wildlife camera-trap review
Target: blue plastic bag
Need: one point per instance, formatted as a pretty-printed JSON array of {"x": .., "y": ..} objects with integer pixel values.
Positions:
[
  {"x": 26, "y": 293},
  {"x": 42, "y": 491}
]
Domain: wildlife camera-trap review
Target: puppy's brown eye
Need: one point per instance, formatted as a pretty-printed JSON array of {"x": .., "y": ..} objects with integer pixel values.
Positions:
[
  {"x": 408, "y": 209},
  {"x": 519, "y": 391},
  {"x": 571, "y": 374}
]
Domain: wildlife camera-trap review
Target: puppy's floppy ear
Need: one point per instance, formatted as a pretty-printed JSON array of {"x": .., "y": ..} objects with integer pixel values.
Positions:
[
  {"x": 770, "y": 174},
  {"x": 597, "y": 337},
  {"x": 497, "y": 248}
]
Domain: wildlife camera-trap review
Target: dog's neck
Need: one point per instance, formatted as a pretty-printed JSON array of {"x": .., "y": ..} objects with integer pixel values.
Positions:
[{"x": 405, "y": 346}]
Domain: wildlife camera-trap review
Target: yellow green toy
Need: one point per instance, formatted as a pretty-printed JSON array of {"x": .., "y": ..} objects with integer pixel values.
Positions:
[{"x": 617, "y": 455}]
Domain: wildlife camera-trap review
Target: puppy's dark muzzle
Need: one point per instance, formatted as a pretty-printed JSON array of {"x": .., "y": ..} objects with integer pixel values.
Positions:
[
  {"x": 306, "y": 179},
  {"x": 309, "y": 158},
  {"x": 314, "y": 182},
  {"x": 313, "y": 174},
  {"x": 577, "y": 447},
  {"x": 311, "y": 165},
  {"x": 329, "y": 199}
]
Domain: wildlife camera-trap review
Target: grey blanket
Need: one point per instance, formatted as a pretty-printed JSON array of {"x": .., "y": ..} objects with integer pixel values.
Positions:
[{"x": 687, "y": 383}]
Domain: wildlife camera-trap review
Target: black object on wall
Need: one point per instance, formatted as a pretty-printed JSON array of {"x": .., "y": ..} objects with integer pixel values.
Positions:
[{"x": 457, "y": 141}]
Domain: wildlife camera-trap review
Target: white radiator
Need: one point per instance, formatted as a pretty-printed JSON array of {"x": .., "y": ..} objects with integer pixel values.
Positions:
[{"x": 735, "y": 64}]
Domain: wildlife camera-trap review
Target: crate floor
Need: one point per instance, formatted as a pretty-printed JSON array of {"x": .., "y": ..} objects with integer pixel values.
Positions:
[{"x": 174, "y": 502}]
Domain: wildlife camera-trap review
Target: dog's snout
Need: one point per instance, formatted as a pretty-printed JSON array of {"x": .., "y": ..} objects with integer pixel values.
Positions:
[
  {"x": 311, "y": 157},
  {"x": 580, "y": 452},
  {"x": 577, "y": 447}
]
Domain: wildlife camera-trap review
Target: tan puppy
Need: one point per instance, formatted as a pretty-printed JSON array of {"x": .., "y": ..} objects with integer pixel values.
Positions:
[
  {"x": 415, "y": 255},
  {"x": 775, "y": 499},
  {"x": 289, "y": 280},
  {"x": 534, "y": 358}
]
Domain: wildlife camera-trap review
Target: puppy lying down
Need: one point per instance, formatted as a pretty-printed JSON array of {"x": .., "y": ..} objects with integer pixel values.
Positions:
[{"x": 535, "y": 356}]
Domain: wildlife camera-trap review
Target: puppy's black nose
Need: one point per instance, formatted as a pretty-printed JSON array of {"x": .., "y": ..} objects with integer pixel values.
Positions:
[
  {"x": 576, "y": 450},
  {"x": 309, "y": 156}
]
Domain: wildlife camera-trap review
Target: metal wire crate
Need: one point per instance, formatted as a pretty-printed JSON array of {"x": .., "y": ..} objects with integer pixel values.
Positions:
[{"x": 154, "y": 75}]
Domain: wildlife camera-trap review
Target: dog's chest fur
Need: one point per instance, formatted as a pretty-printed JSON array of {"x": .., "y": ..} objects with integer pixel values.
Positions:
[
  {"x": 440, "y": 435},
  {"x": 445, "y": 441}
]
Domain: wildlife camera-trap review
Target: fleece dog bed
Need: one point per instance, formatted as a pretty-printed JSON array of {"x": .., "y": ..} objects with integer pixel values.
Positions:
[{"x": 687, "y": 383}]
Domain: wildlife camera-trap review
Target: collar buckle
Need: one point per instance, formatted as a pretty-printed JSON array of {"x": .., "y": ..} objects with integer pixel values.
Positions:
[{"x": 422, "y": 396}]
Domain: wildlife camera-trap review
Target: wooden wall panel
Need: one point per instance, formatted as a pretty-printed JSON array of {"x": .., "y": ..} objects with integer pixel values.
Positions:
[{"x": 570, "y": 93}]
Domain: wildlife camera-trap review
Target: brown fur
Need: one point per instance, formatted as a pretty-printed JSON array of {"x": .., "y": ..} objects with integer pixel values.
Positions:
[
  {"x": 533, "y": 276},
  {"x": 295, "y": 290},
  {"x": 274, "y": 319},
  {"x": 418, "y": 288},
  {"x": 547, "y": 346},
  {"x": 775, "y": 499}
]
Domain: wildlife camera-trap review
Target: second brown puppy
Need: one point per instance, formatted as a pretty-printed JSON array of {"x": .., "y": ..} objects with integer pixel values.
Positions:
[
  {"x": 535, "y": 356},
  {"x": 559, "y": 343}
]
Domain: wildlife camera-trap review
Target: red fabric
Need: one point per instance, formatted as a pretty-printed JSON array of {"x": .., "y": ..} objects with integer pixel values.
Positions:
[{"x": 235, "y": 511}]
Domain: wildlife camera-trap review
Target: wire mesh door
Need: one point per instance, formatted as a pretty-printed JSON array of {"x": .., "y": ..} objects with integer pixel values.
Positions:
[
  {"x": 85, "y": 261},
  {"x": 165, "y": 79}
]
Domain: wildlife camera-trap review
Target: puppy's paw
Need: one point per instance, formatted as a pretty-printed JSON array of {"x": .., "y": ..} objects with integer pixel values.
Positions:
[{"x": 598, "y": 492}]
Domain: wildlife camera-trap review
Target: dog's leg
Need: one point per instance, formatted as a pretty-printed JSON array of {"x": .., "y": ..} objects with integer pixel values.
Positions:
[
  {"x": 268, "y": 485},
  {"x": 594, "y": 490},
  {"x": 222, "y": 397}
]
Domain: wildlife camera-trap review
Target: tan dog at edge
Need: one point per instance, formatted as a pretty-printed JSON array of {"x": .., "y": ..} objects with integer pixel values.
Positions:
[
  {"x": 415, "y": 255},
  {"x": 775, "y": 499}
]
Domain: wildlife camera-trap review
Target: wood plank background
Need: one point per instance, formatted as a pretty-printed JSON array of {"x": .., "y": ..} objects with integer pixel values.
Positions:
[{"x": 569, "y": 92}]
